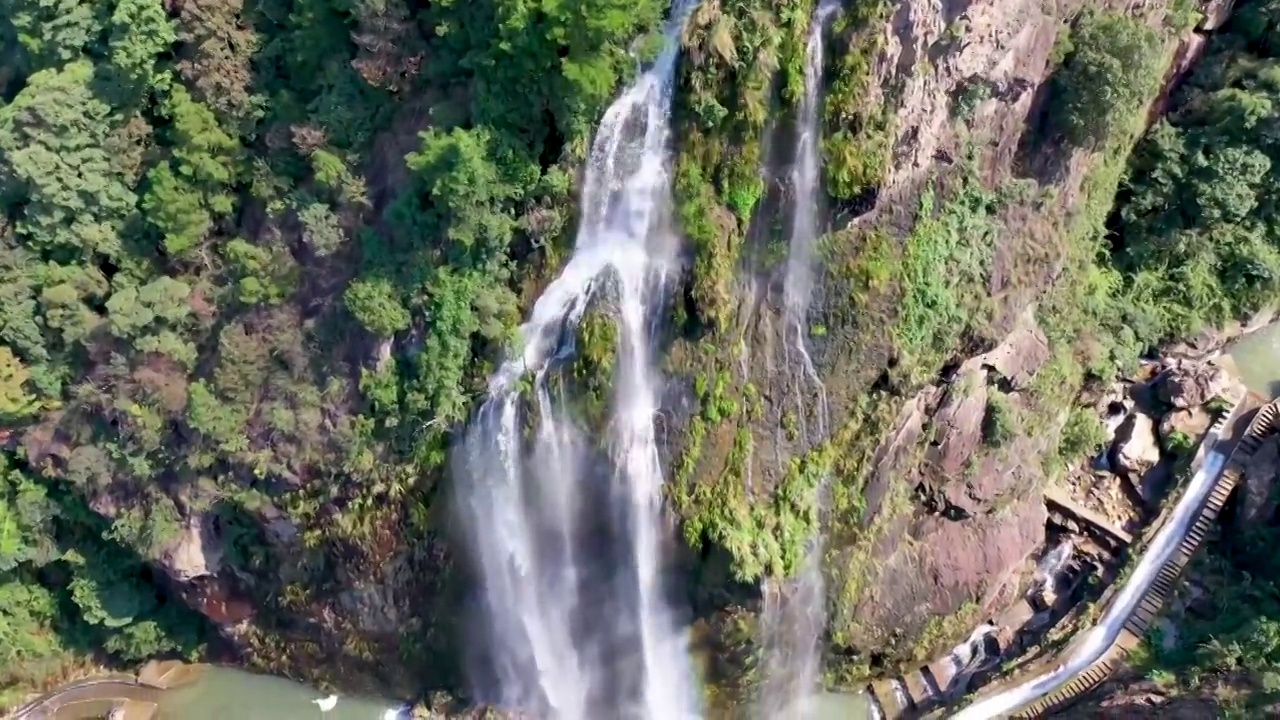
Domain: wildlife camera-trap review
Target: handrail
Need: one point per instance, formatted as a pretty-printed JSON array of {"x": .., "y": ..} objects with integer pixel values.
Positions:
[{"x": 1134, "y": 607}]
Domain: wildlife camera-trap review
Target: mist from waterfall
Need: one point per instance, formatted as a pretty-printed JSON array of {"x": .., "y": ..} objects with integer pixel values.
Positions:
[
  {"x": 795, "y": 609},
  {"x": 566, "y": 540}
]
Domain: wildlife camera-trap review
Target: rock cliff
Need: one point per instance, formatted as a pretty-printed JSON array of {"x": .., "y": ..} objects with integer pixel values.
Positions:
[{"x": 950, "y": 329}]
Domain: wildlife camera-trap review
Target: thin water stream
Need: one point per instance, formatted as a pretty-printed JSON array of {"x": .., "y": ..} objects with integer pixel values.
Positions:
[{"x": 794, "y": 616}]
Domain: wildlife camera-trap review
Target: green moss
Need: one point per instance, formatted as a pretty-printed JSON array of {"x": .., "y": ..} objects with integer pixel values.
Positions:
[
  {"x": 859, "y": 128},
  {"x": 713, "y": 394},
  {"x": 764, "y": 535},
  {"x": 864, "y": 262},
  {"x": 1179, "y": 443},
  {"x": 592, "y": 367},
  {"x": 743, "y": 186},
  {"x": 790, "y": 425},
  {"x": 1082, "y": 435},
  {"x": 795, "y": 19},
  {"x": 714, "y": 237},
  {"x": 943, "y": 275},
  {"x": 999, "y": 424},
  {"x": 763, "y": 529},
  {"x": 944, "y": 631},
  {"x": 695, "y": 434}
]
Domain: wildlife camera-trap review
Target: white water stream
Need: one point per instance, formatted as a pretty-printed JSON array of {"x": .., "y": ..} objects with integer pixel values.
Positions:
[
  {"x": 1100, "y": 638},
  {"x": 795, "y": 609},
  {"x": 568, "y": 555}
]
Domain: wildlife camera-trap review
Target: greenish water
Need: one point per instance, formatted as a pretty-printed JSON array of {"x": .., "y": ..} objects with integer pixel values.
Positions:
[
  {"x": 832, "y": 706},
  {"x": 1257, "y": 358},
  {"x": 228, "y": 694}
]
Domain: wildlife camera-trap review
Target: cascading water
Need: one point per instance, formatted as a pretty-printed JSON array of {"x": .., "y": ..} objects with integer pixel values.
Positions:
[
  {"x": 805, "y": 183},
  {"x": 1052, "y": 564},
  {"x": 794, "y": 610},
  {"x": 569, "y": 560},
  {"x": 970, "y": 657}
]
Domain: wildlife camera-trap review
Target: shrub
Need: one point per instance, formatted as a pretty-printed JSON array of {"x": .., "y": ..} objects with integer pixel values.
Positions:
[
  {"x": 998, "y": 425},
  {"x": 1179, "y": 443},
  {"x": 1081, "y": 435},
  {"x": 1113, "y": 62}
]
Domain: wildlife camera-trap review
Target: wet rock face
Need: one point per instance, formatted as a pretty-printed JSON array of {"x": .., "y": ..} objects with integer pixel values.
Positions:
[
  {"x": 374, "y": 606},
  {"x": 947, "y": 565}
]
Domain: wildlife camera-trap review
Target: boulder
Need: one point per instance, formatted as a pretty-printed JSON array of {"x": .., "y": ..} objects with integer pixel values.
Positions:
[
  {"x": 196, "y": 552},
  {"x": 1188, "y": 383},
  {"x": 1214, "y": 14},
  {"x": 1021, "y": 355},
  {"x": 1113, "y": 406},
  {"x": 1136, "y": 449},
  {"x": 1192, "y": 422},
  {"x": 958, "y": 424}
]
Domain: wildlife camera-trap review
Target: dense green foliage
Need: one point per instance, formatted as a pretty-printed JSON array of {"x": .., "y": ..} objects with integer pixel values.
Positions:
[
  {"x": 1229, "y": 646},
  {"x": 208, "y": 229},
  {"x": 1197, "y": 226},
  {"x": 741, "y": 59},
  {"x": 256, "y": 260},
  {"x": 857, "y": 118},
  {"x": 1110, "y": 57},
  {"x": 1201, "y": 236}
]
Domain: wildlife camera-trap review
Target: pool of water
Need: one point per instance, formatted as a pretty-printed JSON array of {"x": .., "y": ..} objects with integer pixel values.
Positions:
[
  {"x": 226, "y": 693},
  {"x": 839, "y": 706},
  {"x": 1257, "y": 358}
]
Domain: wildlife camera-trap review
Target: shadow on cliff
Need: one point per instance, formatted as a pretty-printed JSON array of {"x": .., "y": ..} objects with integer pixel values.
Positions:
[{"x": 1043, "y": 154}]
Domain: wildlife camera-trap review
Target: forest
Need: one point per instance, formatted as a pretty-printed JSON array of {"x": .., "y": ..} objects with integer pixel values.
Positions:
[
  {"x": 258, "y": 258},
  {"x": 209, "y": 240},
  {"x": 1200, "y": 240}
]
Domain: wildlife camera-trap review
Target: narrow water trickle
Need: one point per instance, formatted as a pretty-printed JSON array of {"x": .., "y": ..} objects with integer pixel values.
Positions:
[
  {"x": 795, "y": 609},
  {"x": 567, "y": 545}
]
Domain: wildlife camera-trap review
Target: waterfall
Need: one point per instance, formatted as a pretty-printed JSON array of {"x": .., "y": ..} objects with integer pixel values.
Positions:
[
  {"x": 1052, "y": 565},
  {"x": 795, "y": 609},
  {"x": 569, "y": 557},
  {"x": 968, "y": 658}
]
